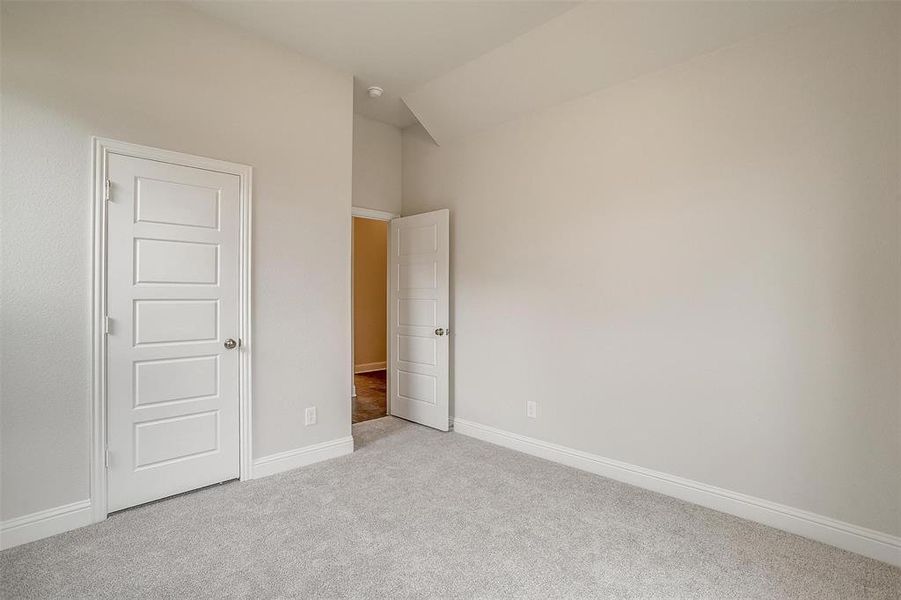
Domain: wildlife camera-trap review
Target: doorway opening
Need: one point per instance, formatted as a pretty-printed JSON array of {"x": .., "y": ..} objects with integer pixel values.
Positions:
[
  {"x": 370, "y": 317},
  {"x": 401, "y": 301}
]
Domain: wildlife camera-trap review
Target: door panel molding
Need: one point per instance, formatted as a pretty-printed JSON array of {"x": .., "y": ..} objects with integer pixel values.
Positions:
[{"x": 102, "y": 149}]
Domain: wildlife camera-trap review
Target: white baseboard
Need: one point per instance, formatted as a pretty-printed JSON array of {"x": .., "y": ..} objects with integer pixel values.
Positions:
[
  {"x": 369, "y": 367},
  {"x": 45, "y": 523},
  {"x": 860, "y": 540},
  {"x": 300, "y": 457}
]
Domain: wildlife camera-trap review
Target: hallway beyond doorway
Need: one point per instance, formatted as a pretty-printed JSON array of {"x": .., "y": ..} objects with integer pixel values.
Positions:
[{"x": 370, "y": 402}]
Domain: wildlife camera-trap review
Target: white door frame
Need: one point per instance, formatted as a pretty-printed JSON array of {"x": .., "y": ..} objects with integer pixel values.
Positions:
[
  {"x": 371, "y": 213},
  {"x": 375, "y": 215},
  {"x": 102, "y": 148}
]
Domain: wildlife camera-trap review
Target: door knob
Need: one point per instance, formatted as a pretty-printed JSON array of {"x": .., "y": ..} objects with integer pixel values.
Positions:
[
  {"x": 230, "y": 344},
  {"x": 439, "y": 331}
]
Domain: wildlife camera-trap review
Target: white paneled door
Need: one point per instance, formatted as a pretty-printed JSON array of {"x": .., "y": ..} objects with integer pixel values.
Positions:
[
  {"x": 172, "y": 401},
  {"x": 418, "y": 318}
]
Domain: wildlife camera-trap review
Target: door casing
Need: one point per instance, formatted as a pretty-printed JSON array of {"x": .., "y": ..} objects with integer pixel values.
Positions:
[{"x": 102, "y": 148}]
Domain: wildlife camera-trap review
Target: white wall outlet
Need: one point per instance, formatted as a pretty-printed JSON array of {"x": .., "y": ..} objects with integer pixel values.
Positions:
[
  {"x": 531, "y": 409},
  {"x": 309, "y": 416}
]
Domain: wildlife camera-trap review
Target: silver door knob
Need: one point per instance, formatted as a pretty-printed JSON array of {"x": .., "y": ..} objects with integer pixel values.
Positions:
[
  {"x": 230, "y": 344},
  {"x": 439, "y": 331}
]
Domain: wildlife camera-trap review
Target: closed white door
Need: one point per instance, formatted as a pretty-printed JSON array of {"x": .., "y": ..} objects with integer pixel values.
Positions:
[
  {"x": 173, "y": 235},
  {"x": 419, "y": 303}
]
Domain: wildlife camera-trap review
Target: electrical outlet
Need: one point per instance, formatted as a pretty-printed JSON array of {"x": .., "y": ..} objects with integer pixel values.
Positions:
[
  {"x": 309, "y": 416},
  {"x": 531, "y": 409}
]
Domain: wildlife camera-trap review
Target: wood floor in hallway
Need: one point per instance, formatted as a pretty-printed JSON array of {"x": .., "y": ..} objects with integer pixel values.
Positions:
[{"x": 371, "y": 401}]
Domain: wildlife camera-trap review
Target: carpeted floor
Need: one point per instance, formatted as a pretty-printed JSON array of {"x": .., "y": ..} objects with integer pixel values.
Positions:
[{"x": 415, "y": 513}]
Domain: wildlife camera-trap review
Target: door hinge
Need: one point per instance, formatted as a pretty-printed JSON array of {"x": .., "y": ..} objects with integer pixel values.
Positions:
[
  {"x": 107, "y": 325},
  {"x": 106, "y": 459},
  {"x": 106, "y": 189}
]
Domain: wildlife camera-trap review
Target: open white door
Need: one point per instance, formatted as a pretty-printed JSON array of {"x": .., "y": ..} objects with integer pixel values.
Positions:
[{"x": 418, "y": 311}]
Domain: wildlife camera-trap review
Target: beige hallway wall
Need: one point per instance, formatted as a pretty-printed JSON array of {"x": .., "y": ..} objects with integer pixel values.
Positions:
[{"x": 370, "y": 293}]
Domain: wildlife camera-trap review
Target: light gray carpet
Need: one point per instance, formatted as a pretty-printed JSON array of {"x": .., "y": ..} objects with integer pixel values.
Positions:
[{"x": 419, "y": 514}]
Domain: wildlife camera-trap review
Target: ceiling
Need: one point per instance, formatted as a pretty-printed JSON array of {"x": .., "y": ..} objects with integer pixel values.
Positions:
[
  {"x": 396, "y": 45},
  {"x": 462, "y": 66},
  {"x": 591, "y": 47}
]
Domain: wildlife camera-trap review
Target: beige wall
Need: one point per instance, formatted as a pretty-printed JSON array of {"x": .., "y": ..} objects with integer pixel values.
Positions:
[
  {"x": 163, "y": 75},
  {"x": 376, "y": 165},
  {"x": 370, "y": 292},
  {"x": 696, "y": 271}
]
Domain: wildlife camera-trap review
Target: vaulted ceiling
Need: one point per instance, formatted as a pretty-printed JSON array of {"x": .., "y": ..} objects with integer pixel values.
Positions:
[
  {"x": 396, "y": 45},
  {"x": 459, "y": 67}
]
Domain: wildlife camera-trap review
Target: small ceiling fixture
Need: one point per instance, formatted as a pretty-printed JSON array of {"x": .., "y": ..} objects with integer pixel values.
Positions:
[{"x": 375, "y": 91}]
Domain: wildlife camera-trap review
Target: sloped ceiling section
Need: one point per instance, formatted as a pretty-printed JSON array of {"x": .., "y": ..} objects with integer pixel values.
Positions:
[
  {"x": 397, "y": 45},
  {"x": 592, "y": 46}
]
